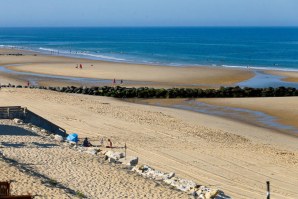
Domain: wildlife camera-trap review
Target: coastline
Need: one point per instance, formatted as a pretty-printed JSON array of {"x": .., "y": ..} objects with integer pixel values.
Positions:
[
  {"x": 138, "y": 75},
  {"x": 159, "y": 76}
]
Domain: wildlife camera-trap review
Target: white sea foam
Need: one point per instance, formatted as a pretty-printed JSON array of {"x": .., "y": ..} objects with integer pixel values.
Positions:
[
  {"x": 48, "y": 49},
  {"x": 262, "y": 68},
  {"x": 102, "y": 56},
  {"x": 82, "y": 53}
]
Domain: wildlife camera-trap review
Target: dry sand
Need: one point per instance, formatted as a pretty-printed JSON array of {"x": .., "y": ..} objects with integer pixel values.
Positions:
[
  {"x": 237, "y": 158},
  {"x": 47, "y": 162},
  {"x": 166, "y": 76}
]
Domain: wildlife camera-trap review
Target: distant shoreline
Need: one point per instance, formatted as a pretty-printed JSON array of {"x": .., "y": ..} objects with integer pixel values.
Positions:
[
  {"x": 158, "y": 76},
  {"x": 83, "y": 55}
]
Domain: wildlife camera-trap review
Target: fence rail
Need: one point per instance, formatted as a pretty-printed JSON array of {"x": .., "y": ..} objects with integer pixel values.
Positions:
[{"x": 11, "y": 112}]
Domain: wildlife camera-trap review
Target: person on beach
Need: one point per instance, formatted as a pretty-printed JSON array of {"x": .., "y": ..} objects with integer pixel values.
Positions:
[
  {"x": 81, "y": 66},
  {"x": 86, "y": 143},
  {"x": 121, "y": 82},
  {"x": 77, "y": 66},
  {"x": 28, "y": 83},
  {"x": 110, "y": 144}
]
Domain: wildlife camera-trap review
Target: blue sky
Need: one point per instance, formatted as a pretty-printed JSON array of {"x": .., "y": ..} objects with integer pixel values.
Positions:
[{"x": 148, "y": 13}]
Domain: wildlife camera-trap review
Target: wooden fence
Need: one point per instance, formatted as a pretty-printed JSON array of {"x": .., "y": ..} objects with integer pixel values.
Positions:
[{"x": 11, "y": 112}]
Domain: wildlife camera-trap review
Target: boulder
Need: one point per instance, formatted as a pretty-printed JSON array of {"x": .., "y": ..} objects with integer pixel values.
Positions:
[
  {"x": 17, "y": 121},
  {"x": 170, "y": 175},
  {"x": 92, "y": 151},
  {"x": 58, "y": 138},
  {"x": 115, "y": 155},
  {"x": 118, "y": 155},
  {"x": 211, "y": 194},
  {"x": 112, "y": 160},
  {"x": 129, "y": 161},
  {"x": 34, "y": 129},
  {"x": 109, "y": 153}
]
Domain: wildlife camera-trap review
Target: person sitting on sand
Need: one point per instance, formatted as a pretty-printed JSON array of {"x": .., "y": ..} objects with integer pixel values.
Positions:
[
  {"x": 110, "y": 144},
  {"x": 86, "y": 143}
]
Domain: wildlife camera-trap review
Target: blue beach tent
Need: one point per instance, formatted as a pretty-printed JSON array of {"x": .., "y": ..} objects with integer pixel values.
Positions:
[{"x": 73, "y": 137}]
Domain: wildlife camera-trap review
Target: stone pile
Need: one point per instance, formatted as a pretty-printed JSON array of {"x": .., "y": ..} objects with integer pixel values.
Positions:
[
  {"x": 184, "y": 185},
  {"x": 146, "y": 92},
  {"x": 118, "y": 157}
]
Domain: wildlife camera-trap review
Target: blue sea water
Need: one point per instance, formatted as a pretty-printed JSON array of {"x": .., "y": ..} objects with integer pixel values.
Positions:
[{"x": 273, "y": 47}]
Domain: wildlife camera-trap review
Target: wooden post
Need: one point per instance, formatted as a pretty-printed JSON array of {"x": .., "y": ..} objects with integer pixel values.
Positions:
[
  {"x": 125, "y": 150},
  {"x": 268, "y": 190}
]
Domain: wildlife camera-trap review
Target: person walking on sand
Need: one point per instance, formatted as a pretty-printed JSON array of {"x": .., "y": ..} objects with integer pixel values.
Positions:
[
  {"x": 81, "y": 66},
  {"x": 28, "y": 83},
  {"x": 121, "y": 82},
  {"x": 114, "y": 81}
]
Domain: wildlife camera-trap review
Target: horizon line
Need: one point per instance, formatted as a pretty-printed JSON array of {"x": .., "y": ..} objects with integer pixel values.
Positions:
[{"x": 255, "y": 26}]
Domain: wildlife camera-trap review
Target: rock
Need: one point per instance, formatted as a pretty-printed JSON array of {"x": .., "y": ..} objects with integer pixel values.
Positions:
[
  {"x": 92, "y": 152},
  {"x": 170, "y": 175},
  {"x": 112, "y": 160},
  {"x": 72, "y": 143},
  {"x": 118, "y": 155},
  {"x": 34, "y": 129},
  {"x": 129, "y": 161},
  {"x": 109, "y": 153},
  {"x": 211, "y": 194},
  {"x": 17, "y": 121},
  {"x": 115, "y": 155},
  {"x": 58, "y": 138},
  {"x": 133, "y": 161}
]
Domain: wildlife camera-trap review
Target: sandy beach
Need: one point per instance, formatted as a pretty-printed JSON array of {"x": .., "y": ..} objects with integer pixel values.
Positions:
[
  {"x": 56, "y": 171},
  {"x": 235, "y": 157},
  {"x": 141, "y": 75}
]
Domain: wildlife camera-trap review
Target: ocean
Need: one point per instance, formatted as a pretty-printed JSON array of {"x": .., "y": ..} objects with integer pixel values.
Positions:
[{"x": 267, "y": 48}]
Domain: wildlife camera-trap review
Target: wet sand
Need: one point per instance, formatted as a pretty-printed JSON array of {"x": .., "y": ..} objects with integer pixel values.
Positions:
[
  {"x": 284, "y": 109},
  {"x": 250, "y": 113},
  {"x": 289, "y": 76}
]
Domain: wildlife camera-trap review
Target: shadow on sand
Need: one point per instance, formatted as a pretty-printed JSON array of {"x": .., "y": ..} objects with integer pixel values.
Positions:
[{"x": 15, "y": 131}]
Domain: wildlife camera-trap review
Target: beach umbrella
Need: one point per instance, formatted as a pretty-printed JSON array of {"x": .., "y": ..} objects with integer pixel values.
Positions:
[{"x": 73, "y": 137}]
